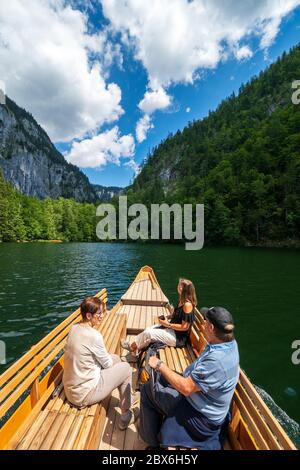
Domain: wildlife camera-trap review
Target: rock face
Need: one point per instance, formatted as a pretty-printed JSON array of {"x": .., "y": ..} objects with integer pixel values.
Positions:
[
  {"x": 32, "y": 164},
  {"x": 106, "y": 193}
]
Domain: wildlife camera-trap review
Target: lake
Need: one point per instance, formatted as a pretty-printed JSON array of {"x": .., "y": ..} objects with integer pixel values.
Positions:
[{"x": 41, "y": 283}]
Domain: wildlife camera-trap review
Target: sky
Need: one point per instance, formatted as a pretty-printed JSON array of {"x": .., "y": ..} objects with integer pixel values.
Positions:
[{"x": 110, "y": 79}]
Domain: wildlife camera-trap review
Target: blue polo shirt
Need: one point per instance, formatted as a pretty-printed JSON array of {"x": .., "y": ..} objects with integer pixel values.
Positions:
[{"x": 216, "y": 372}]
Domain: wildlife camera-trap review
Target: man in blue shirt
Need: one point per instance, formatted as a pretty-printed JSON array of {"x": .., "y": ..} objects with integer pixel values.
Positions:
[{"x": 189, "y": 410}]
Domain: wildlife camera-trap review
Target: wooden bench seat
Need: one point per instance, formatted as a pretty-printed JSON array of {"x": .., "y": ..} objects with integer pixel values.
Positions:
[
  {"x": 252, "y": 427},
  {"x": 32, "y": 418},
  {"x": 53, "y": 423}
]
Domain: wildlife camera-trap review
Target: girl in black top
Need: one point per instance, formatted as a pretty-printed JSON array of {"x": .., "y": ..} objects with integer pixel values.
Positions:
[
  {"x": 175, "y": 330},
  {"x": 182, "y": 317},
  {"x": 184, "y": 321}
]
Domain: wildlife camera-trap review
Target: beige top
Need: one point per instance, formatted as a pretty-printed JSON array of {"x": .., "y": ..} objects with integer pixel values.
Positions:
[{"x": 85, "y": 356}]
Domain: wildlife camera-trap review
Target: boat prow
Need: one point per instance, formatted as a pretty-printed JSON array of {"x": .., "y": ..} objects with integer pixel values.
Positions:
[{"x": 36, "y": 415}]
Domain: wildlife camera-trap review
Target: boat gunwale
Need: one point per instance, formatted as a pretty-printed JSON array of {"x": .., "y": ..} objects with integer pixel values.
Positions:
[
  {"x": 272, "y": 426},
  {"x": 32, "y": 367}
]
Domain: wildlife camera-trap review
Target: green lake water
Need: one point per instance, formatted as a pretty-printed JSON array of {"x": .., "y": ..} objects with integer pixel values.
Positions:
[{"x": 40, "y": 284}]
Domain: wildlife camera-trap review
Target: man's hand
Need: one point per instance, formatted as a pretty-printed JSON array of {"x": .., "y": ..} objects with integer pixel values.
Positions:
[
  {"x": 153, "y": 361},
  {"x": 184, "y": 385}
]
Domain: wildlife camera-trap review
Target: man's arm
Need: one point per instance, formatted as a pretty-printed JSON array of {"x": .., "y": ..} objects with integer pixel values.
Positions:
[{"x": 184, "y": 385}]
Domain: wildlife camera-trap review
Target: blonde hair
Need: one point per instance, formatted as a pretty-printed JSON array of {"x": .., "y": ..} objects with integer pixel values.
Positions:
[{"x": 188, "y": 292}]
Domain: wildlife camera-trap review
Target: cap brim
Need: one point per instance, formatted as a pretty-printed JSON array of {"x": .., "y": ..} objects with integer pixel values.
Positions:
[{"x": 204, "y": 311}]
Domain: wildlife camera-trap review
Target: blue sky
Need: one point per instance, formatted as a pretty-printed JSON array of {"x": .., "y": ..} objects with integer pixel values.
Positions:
[{"x": 92, "y": 70}]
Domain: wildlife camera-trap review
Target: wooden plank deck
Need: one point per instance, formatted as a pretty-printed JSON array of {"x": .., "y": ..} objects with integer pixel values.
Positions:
[
  {"x": 144, "y": 292},
  {"x": 143, "y": 302},
  {"x": 140, "y": 317}
]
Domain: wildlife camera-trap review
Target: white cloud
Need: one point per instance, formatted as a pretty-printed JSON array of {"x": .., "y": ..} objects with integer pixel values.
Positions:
[
  {"x": 174, "y": 39},
  {"x": 142, "y": 128},
  {"x": 243, "y": 53},
  {"x": 107, "y": 147},
  {"x": 188, "y": 110},
  {"x": 155, "y": 100},
  {"x": 55, "y": 69},
  {"x": 134, "y": 166}
]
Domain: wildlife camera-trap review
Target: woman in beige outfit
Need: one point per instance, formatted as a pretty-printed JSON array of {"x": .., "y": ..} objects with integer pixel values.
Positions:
[{"x": 90, "y": 372}]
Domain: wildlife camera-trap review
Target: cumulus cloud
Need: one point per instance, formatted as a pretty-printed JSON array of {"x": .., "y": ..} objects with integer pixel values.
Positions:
[
  {"x": 134, "y": 166},
  {"x": 56, "y": 69},
  {"x": 142, "y": 128},
  {"x": 174, "y": 39},
  {"x": 243, "y": 53},
  {"x": 107, "y": 147},
  {"x": 155, "y": 100}
]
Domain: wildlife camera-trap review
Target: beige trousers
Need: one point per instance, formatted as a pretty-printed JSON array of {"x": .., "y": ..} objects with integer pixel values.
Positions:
[
  {"x": 118, "y": 376},
  {"x": 155, "y": 333}
]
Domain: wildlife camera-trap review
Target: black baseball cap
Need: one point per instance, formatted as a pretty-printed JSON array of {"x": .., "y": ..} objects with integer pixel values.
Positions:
[{"x": 219, "y": 317}]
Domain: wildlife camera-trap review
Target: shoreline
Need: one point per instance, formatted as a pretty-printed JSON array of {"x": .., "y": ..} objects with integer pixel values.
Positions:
[{"x": 292, "y": 244}]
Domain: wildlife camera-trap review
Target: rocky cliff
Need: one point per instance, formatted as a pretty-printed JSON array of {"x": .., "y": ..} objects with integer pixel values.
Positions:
[
  {"x": 106, "y": 193},
  {"x": 32, "y": 164}
]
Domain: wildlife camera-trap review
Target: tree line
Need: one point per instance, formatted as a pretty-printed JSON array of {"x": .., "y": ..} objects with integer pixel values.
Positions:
[{"x": 27, "y": 218}]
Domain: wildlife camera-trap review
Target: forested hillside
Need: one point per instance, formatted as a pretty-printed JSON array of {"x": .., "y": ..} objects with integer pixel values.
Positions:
[
  {"x": 27, "y": 218},
  {"x": 242, "y": 162}
]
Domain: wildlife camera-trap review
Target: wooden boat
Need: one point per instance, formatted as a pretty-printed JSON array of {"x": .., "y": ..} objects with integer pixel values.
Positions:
[{"x": 35, "y": 414}]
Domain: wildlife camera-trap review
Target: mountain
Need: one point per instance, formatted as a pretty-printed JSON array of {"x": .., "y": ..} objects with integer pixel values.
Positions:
[
  {"x": 242, "y": 161},
  {"x": 32, "y": 164},
  {"x": 107, "y": 193}
]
